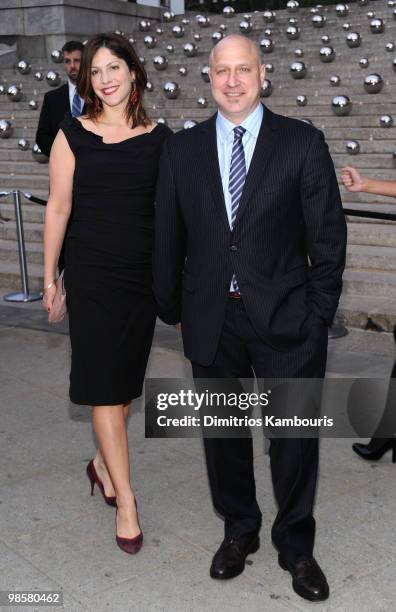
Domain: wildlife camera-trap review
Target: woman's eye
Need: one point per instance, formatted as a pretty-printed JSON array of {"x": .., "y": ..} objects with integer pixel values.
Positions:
[
  {"x": 94, "y": 72},
  {"x": 115, "y": 67}
]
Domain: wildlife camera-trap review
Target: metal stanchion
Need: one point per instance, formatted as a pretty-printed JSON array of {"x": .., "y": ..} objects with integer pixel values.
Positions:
[{"x": 25, "y": 296}]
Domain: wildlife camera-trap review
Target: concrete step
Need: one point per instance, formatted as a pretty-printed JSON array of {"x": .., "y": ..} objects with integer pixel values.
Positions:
[
  {"x": 9, "y": 252},
  {"x": 367, "y": 312},
  {"x": 373, "y": 234},
  {"x": 33, "y": 232},
  {"x": 10, "y": 277},
  {"x": 371, "y": 257},
  {"x": 370, "y": 283}
]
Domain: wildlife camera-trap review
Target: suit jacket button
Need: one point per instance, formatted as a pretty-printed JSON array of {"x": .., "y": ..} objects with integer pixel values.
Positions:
[{"x": 234, "y": 247}]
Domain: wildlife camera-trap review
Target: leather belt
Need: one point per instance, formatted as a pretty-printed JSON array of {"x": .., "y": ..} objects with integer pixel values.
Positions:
[{"x": 234, "y": 295}]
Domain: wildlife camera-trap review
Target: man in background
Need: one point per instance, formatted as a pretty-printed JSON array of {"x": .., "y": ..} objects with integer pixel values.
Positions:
[{"x": 63, "y": 100}]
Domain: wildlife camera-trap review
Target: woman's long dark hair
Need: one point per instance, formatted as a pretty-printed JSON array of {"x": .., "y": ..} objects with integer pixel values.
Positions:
[{"x": 121, "y": 48}]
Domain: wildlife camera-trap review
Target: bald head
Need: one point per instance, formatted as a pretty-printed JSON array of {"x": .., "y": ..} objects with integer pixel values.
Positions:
[
  {"x": 235, "y": 41},
  {"x": 236, "y": 76}
]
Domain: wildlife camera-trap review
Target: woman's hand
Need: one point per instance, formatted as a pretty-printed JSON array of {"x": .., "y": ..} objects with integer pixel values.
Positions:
[
  {"x": 352, "y": 179},
  {"x": 48, "y": 297}
]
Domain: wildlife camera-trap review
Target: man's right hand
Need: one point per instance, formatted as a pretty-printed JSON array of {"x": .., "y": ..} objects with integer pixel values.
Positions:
[{"x": 352, "y": 179}]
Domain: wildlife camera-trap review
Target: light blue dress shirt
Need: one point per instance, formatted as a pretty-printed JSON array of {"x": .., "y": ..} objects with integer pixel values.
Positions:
[{"x": 225, "y": 139}]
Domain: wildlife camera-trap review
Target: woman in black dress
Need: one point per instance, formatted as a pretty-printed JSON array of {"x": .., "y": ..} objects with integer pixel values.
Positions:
[{"x": 106, "y": 163}]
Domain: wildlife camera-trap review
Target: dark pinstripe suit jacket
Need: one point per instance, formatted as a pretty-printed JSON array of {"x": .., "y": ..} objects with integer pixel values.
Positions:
[{"x": 287, "y": 247}]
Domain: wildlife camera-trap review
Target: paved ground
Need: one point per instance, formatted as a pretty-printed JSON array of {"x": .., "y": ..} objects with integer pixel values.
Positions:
[{"x": 53, "y": 535}]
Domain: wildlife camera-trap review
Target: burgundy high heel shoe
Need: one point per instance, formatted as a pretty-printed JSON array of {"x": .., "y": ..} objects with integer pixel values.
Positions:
[
  {"x": 130, "y": 545},
  {"x": 94, "y": 479}
]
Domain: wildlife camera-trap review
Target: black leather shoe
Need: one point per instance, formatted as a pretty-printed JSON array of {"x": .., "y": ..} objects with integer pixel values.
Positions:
[
  {"x": 308, "y": 579},
  {"x": 229, "y": 561},
  {"x": 376, "y": 448}
]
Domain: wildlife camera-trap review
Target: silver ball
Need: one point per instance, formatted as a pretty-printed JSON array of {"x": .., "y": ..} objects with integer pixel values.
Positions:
[
  {"x": 162, "y": 120},
  {"x": 341, "y": 106},
  {"x": 53, "y": 78},
  {"x": 205, "y": 74},
  {"x": 183, "y": 71},
  {"x": 223, "y": 27},
  {"x": 394, "y": 64},
  {"x": 269, "y": 16},
  {"x": 38, "y": 75},
  {"x": 197, "y": 37},
  {"x": 298, "y": 70},
  {"x": 390, "y": 46},
  {"x": 292, "y": 32},
  {"x": 150, "y": 42},
  {"x": 159, "y": 31},
  {"x": 14, "y": 93},
  {"x": 386, "y": 121},
  {"x": 353, "y": 40},
  {"x": 168, "y": 16},
  {"x": 228, "y": 11},
  {"x": 346, "y": 27},
  {"x": 3, "y": 90},
  {"x": 38, "y": 155},
  {"x": 190, "y": 50},
  {"x": 370, "y": 15},
  {"x": 33, "y": 104},
  {"x": 178, "y": 31},
  {"x": 335, "y": 80},
  {"x": 352, "y": 147},
  {"x": 185, "y": 21},
  {"x": 57, "y": 56},
  {"x": 144, "y": 25},
  {"x": 170, "y": 48},
  {"x": 23, "y": 67},
  {"x": 364, "y": 62},
  {"x": 268, "y": 32},
  {"x": 5, "y": 128},
  {"x": 292, "y": 6},
  {"x": 203, "y": 21},
  {"x": 391, "y": 3},
  {"x": 160, "y": 62},
  {"x": 302, "y": 100},
  {"x": 245, "y": 27},
  {"x": 267, "y": 45},
  {"x": 363, "y": 2},
  {"x": 202, "y": 102},
  {"x": 373, "y": 83},
  {"x": 247, "y": 17},
  {"x": 394, "y": 13},
  {"x": 318, "y": 21},
  {"x": 171, "y": 90},
  {"x": 269, "y": 68},
  {"x": 190, "y": 123},
  {"x": 377, "y": 26},
  {"x": 327, "y": 54},
  {"x": 149, "y": 86},
  {"x": 23, "y": 144},
  {"x": 131, "y": 40},
  {"x": 299, "y": 52},
  {"x": 394, "y": 157},
  {"x": 342, "y": 10},
  {"x": 325, "y": 39},
  {"x": 266, "y": 89},
  {"x": 216, "y": 37},
  {"x": 142, "y": 60}
]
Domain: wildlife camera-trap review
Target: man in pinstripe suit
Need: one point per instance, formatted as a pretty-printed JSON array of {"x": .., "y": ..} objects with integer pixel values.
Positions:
[{"x": 249, "y": 255}]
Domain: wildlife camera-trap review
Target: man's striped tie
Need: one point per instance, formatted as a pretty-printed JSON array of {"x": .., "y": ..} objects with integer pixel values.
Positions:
[
  {"x": 236, "y": 180},
  {"x": 76, "y": 106}
]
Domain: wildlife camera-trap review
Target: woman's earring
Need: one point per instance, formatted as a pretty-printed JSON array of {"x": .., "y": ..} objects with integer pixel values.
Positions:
[{"x": 134, "y": 93}]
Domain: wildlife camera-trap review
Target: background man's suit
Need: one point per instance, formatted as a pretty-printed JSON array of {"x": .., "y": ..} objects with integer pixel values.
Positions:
[
  {"x": 290, "y": 207},
  {"x": 56, "y": 106}
]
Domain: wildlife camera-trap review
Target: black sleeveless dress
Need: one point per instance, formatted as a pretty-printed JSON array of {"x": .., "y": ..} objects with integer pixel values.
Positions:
[{"x": 108, "y": 276}]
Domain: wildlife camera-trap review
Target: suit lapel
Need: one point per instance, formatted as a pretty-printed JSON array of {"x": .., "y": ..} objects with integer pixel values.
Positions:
[
  {"x": 211, "y": 170},
  {"x": 265, "y": 144}
]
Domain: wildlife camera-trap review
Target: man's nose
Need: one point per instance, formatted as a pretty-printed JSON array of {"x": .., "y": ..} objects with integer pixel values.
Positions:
[{"x": 232, "y": 79}]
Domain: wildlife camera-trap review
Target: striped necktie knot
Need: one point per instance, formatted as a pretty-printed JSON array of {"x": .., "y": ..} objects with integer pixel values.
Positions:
[{"x": 238, "y": 133}]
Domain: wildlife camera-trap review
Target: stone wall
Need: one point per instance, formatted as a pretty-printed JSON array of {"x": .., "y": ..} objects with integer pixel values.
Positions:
[{"x": 38, "y": 26}]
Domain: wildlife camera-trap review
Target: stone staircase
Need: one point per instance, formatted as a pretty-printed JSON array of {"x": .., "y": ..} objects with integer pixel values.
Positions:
[{"x": 369, "y": 296}]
